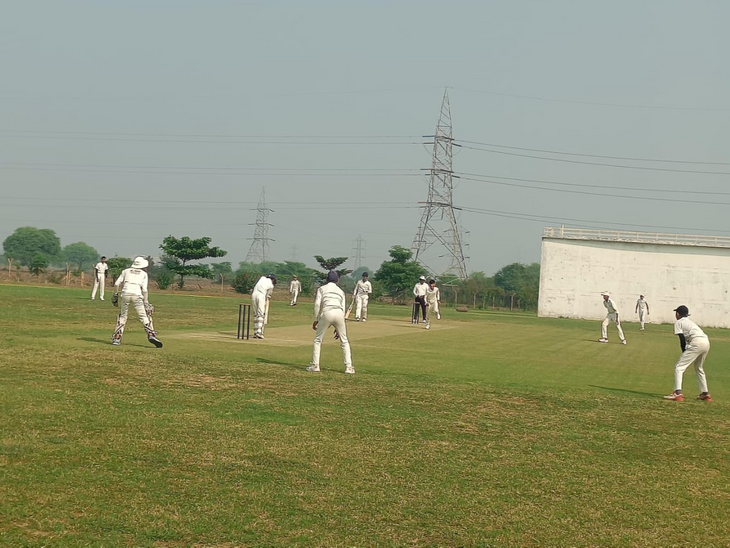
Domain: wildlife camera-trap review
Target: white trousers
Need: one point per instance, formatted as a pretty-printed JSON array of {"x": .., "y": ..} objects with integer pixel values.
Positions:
[
  {"x": 362, "y": 306},
  {"x": 431, "y": 308},
  {"x": 604, "y": 326},
  {"x": 98, "y": 284},
  {"x": 294, "y": 295},
  {"x": 641, "y": 317},
  {"x": 259, "y": 312},
  {"x": 138, "y": 302},
  {"x": 696, "y": 352},
  {"x": 335, "y": 318}
]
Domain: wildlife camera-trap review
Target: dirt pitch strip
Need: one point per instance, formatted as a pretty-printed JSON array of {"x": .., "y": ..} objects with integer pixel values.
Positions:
[{"x": 303, "y": 335}]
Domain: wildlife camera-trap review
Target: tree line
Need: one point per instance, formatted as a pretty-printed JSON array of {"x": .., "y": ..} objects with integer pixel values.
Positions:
[{"x": 513, "y": 286}]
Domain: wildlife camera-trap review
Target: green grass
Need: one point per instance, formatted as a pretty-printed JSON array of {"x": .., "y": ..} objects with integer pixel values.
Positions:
[{"x": 508, "y": 430}]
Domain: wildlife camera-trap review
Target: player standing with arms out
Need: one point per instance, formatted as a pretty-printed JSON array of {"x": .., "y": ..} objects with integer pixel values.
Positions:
[
  {"x": 133, "y": 282},
  {"x": 612, "y": 316},
  {"x": 99, "y": 278},
  {"x": 295, "y": 287},
  {"x": 329, "y": 309},
  {"x": 363, "y": 288},
  {"x": 419, "y": 291},
  {"x": 260, "y": 297},
  {"x": 642, "y": 307},
  {"x": 695, "y": 347},
  {"x": 433, "y": 300}
]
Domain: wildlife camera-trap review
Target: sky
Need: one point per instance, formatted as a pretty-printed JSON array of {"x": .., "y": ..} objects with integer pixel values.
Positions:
[{"x": 125, "y": 122}]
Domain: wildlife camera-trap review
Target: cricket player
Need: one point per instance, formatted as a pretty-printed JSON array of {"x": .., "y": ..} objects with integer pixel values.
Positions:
[
  {"x": 612, "y": 316},
  {"x": 260, "y": 297},
  {"x": 642, "y": 308},
  {"x": 99, "y": 278},
  {"x": 133, "y": 283},
  {"x": 695, "y": 347},
  {"x": 363, "y": 288},
  {"x": 433, "y": 300},
  {"x": 419, "y": 291},
  {"x": 329, "y": 309},
  {"x": 295, "y": 288}
]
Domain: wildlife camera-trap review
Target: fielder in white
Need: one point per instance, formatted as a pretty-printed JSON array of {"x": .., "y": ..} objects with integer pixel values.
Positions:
[
  {"x": 695, "y": 347},
  {"x": 260, "y": 297},
  {"x": 133, "y": 282},
  {"x": 295, "y": 288},
  {"x": 433, "y": 300},
  {"x": 642, "y": 308},
  {"x": 99, "y": 278},
  {"x": 363, "y": 288},
  {"x": 612, "y": 316},
  {"x": 329, "y": 309}
]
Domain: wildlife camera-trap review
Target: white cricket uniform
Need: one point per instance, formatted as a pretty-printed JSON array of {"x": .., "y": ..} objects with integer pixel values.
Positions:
[
  {"x": 362, "y": 296},
  {"x": 99, "y": 279},
  {"x": 261, "y": 293},
  {"x": 133, "y": 283},
  {"x": 612, "y": 316},
  {"x": 642, "y": 306},
  {"x": 698, "y": 346},
  {"x": 295, "y": 287},
  {"x": 433, "y": 296},
  {"x": 329, "y": 309}
]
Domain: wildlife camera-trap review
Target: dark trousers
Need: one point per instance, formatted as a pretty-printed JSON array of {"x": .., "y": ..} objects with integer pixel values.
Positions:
[{"x": 422, "y": 302}]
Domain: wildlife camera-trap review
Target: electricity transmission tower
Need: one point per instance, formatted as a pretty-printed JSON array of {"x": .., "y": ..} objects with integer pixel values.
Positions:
[
  {"x": 358, "y": 252},
  {"x": 259, "y": 250},
  {"x": 438, "y": 221}
]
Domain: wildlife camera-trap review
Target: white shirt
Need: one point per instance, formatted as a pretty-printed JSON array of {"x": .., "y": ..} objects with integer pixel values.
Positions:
[
  {"x": 329, "y": 297},
  {"x": 264, "y": 287},
  {"x": 363, "y": 287},
  {"x": 433, "y": 295},
  {"x": 420, "y": 289},
  {"x": 101, "y": 269},
  {"x": 295, "y": 285},
  {"x": 608, "y": 303},
  {"x": 642, "y": 304},
  {"x": 690, "y": 330},
  {"x": 133, "y": 282}
]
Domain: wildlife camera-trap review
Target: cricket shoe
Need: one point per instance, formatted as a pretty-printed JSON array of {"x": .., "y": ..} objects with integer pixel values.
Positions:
[
  {"x": 428, "y": 326},
  {"x": 438, "y": 316},
  {"x": 349, "y": 370},
  {"x": 623, "y": 342},
  {"x": 102, "y": 298},
  {"x": 675, "y": 397},
  {"x": 364, "y": 320},
  {"x": 314, "y": 369},
  {"x": 116, "y": 342},
  {"x": 603, "y": 340},
  {"x": 258, "y": 336},
  {"x": 705, "y": 396},
  {"x": 154, "y": 340}
]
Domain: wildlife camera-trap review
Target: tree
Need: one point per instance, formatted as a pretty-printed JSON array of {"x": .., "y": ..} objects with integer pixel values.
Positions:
[
  {"x": 331, "y": 264},
  {"x": 400, "y": 273},
  {"x": 38, "y": 264},
  {"x": 221, "y": 270},
  {"x": 117, "y": 264},
  {"x": 27, "y": 242},
  {"x": 79, "y": 254},
  {"x": 520, "y": 281},
  {"x": 243, "y": 282},
  {"x": 186, "y": 249}
]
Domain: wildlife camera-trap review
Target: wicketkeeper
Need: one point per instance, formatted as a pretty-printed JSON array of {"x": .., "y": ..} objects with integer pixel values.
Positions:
[
  {"x": 133, "y": 282},
  {"x": 260, "y": 297}
]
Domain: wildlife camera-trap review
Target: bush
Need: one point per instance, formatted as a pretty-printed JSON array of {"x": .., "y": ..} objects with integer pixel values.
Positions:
[
  {"x": 164, "y": 278},
  {"x": 244, "y": 281}
]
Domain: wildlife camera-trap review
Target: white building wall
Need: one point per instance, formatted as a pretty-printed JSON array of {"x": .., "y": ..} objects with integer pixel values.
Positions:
[{"x": 573, "y": 273}]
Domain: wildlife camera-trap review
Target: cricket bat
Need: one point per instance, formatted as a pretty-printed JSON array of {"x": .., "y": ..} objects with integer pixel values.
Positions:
[
  {"x": 266, "y": 313},
  {"x": 349, "y": 308}
]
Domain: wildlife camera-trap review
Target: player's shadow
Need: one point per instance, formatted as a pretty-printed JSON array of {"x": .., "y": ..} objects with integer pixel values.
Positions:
[
  {"x": 107, "y": 342},
  {"x": 274, "y": 362},
  {"x": 623, "y": 390}
]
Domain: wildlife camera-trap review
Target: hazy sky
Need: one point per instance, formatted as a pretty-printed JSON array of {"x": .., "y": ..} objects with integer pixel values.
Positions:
[{"x": 124, "y": 122}]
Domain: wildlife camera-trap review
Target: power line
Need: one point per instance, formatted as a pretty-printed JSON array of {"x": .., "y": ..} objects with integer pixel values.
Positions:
[
  {"x": 633, "y": 158},
  {"x": 621, "y": 166}
]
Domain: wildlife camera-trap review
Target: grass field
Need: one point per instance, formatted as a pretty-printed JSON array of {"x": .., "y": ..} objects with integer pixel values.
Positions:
[{"x": 490, "y": 430}]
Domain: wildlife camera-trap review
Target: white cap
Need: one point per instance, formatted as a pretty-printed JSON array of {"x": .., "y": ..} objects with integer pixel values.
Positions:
[
  {"x": 605, "y": 293},
  {"x": 422, "y": 278},
  {"x": 140, "y": 262}
]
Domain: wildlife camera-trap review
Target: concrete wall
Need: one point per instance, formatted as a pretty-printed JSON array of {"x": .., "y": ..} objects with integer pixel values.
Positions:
[{"x": 574, "y": 272}]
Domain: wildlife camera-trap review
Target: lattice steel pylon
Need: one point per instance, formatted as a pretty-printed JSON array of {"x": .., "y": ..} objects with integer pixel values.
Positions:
[
  {"x": 358, "y": 251},
  {"x": 259, "y": 250},
  {"x": 438, "y": 221}
]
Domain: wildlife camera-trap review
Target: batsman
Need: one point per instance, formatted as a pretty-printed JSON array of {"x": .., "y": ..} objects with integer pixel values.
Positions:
[
  {"x": 133, "y": 282},
  {"x": 260, "y": 297}
]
